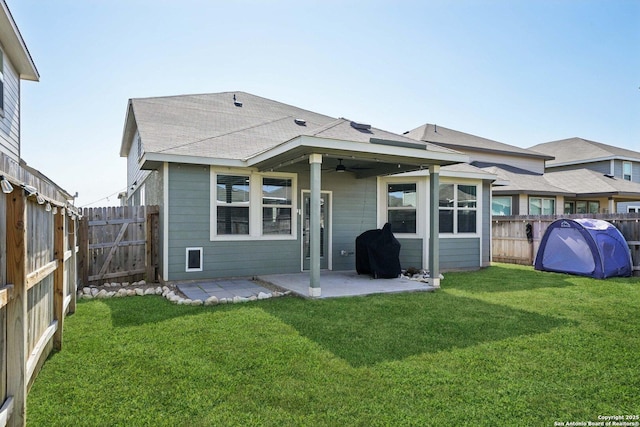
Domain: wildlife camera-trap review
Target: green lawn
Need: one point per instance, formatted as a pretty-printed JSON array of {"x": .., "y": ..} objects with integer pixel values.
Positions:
[{"x": 504, "y": 346}]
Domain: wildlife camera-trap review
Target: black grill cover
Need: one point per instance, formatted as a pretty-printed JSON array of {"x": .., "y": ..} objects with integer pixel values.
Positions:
[{"x": 378, "y": 253}]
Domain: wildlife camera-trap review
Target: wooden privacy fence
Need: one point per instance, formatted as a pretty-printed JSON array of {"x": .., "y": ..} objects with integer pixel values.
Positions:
[
  {"x": 118, "y": 244},
  {"x": 511, "y": 245},
  {"x": 37, "y": 284}
]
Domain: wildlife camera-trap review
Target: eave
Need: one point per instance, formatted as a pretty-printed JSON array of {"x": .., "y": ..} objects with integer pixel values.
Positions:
[{"x": 14, "y": 46}]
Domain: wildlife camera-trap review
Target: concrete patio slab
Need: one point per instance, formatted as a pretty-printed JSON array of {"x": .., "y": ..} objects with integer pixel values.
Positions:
[{"x": 344, "y": 283}]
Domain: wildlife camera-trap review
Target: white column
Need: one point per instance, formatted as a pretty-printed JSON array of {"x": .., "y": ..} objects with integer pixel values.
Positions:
[
  {"x": 315, "y": 162},
  {"x": 434, "y": 225}
]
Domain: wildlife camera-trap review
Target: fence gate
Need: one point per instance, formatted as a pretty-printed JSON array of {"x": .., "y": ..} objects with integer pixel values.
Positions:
[{"x": 119, "y": 244}]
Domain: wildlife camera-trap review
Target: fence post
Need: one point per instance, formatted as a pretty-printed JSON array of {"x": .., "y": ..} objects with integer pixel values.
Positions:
[
  {"x": 58, "y": 277},
  {"x": 17, "y": 306},
  {"x": 73, "y": 229},
  {"x": 83, "y": 252}
]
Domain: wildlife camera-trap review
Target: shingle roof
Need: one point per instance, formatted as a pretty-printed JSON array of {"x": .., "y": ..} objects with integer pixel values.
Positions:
[
  {"x": 578, "y": 150},
  {"x": 212, "y": 125},
  {"x": 461, "y": 141},
  {"x": 522, "y": 181},
  {"x": 573, "y": 183},
  {"x": 589, "y": 182}
]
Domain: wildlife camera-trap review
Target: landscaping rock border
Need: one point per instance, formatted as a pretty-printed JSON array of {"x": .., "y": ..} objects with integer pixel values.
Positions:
[{"x": 141, "y": 288}]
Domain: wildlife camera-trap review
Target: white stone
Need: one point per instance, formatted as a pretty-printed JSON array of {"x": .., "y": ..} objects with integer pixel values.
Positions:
[
  {"x": 196, "y": 302},
  {"x": 125, "y": 284},
  {"x": 263, "y": 295},
  {"x": 86, "y": 290},
  {"x": 142, "y": 283},
  {"x": 166, "y": 289},
  {"x": 158, "y": 290},
  {"x": 131, "y": 292},
  {"x": 101, "y": 294},
  {"x": 87, "y": 296},
  {"x": 213, "y": 300},
  {"x": 94, "y": 292},
  {"x": 223, "y": 301},
  {"x": 111, "y": 294},
  {"x": 149, "y": 291}
]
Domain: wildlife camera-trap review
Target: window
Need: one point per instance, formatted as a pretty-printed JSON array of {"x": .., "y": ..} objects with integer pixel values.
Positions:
[
  {"x": 276, "y": 206},
  {"x": 501, "y": 206},
  {"x": 193, "y": 259},
  {"x": 633, "y": 209},
  {"x": 542, "y": 206},
  {"x": 587, "y": 207},
  {"x": 251, "y": 205},
  {"x": 401, "y": 207},
  {"x": 458, "y": 205},
  {"x": 232, "y": 204},
  {"x": 569, "y": 208},
  {"x": 626, "y": 171}
]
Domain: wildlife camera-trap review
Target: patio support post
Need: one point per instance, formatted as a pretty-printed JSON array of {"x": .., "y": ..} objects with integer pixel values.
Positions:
[
  {"x": 315, "y": 162},
  {"x": 434, "y": 226}
]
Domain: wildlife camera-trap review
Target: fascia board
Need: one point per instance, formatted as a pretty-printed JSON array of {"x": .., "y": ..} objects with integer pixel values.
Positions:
[
  {"x": 370, "y": 150},
  {"x": 195, "y": 160},
  {"x": 15, "y": 47}
]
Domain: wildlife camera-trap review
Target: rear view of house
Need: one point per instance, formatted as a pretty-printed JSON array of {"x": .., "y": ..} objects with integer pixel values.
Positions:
[{"x": 251, "y": 186}]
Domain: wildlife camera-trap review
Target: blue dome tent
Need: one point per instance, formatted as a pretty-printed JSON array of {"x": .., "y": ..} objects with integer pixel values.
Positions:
[{"x": 585, "y": 247}]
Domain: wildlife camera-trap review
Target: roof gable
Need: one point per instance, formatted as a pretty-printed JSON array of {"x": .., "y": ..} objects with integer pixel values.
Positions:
[
  {"x": 578, "y": 150},
  {"x": 463, "y": 141}
]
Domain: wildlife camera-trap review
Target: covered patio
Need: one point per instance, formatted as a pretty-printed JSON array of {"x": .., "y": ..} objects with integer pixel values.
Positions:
[{"x": 334, "y": 284}]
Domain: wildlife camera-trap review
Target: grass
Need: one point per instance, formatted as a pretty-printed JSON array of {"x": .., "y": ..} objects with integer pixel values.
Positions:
[{"x": 502, "y": 346}]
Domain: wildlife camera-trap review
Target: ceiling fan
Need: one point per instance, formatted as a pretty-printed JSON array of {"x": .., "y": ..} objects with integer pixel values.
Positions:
[{"x": 340, "y": 168}]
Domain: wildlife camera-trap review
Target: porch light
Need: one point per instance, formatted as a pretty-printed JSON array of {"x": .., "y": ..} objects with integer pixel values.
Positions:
[
  {"x": 48, "y": 207},
  {"x": 40, "y": 199},
  {"x": 6, "y": 185}
]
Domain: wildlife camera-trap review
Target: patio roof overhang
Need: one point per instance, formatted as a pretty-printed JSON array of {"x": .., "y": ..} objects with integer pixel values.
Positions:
[{"x": 383, "y": 156}]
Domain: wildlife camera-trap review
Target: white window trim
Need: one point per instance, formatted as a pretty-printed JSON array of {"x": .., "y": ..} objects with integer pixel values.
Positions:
[
  {"x": 255, "y": 205},
  {"x": 630, "y": 170},
  {"x": 493, "y": 198},
  {"x": 542, "y": 199},
  {"x": 456, "y": 233},
  {"x": 635, "y": 209},
  {"x": 421, "y": 203},
  {"x": 186, "y": 259}
]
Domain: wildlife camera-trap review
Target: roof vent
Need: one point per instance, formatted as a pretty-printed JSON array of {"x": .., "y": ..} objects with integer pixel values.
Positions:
[
  {"x": 235, "y": 102},
  {"x": 360, "y": 126},
  {"x": 300, "y": 122},
  {"x": 608, "y": 175}
]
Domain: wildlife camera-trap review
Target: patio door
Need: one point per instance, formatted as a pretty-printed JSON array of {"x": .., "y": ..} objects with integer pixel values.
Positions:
[{"x": 325, "y": 229}]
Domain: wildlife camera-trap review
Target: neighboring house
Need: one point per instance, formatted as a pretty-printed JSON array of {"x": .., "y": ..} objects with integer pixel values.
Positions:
[
  {"x": 608, "y": 161},
  {"x": 241, "y": 181},
  {"x": 15, "y": 65},
  {"x": 527, "y": 185}
]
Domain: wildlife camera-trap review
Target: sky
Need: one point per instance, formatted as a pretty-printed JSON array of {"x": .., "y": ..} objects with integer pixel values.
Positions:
[{"x": 521, "y": 72}]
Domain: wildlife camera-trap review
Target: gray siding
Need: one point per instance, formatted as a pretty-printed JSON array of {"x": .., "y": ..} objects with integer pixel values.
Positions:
[
  {"x": 459, "y": 254},
  {"x": 10, "y": 121},
  {"x": 527, "y": 163},
  {"x": 603, "y": 167},
  {"x": 189, "y": 226},
  {"x": 411, "y": 253},
  {"x": 623, "y": 206},
  {"x": 635, "y": 170},
  {"x": 135, "y": 175}
]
